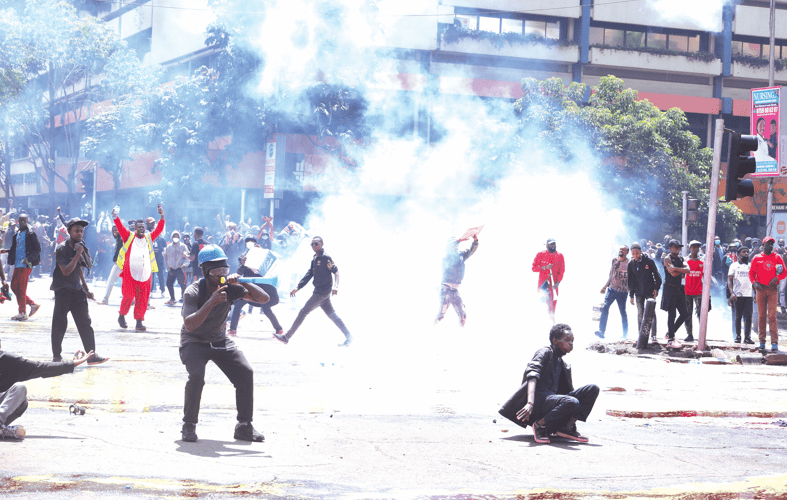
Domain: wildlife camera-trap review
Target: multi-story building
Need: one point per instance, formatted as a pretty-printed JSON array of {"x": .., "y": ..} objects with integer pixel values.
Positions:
[{"x": 704, "y": 65}]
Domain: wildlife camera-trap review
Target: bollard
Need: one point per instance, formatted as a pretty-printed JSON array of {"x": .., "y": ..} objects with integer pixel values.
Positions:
[
  {"x": 647, "y": 323},
  {"x": 750, "y": 359}
]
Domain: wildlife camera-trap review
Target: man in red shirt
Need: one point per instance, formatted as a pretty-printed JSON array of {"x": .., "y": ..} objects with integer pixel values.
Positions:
[
  {"x": 693, "y": 286},
  {"x": 550, "y": 266},
  {"x": 767, "y": 269},
  {"x": 138, "y": 262}
]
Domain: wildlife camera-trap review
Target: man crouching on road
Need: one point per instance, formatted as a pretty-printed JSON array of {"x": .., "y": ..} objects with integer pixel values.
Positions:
[
  {"x": 547, "y": 399},
  {"x": 13, "y": 394},
  {"x": 203, "y": 338}
]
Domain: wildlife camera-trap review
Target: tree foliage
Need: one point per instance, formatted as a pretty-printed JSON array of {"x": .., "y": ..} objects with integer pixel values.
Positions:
[{"x": 644, "y": 157}]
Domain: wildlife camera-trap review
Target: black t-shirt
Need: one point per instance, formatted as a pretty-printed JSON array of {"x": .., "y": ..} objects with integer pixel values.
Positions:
[
  {"x": 64, "y": 253},
  {"x": 213, "y": 329},
  {"x": 194, "y": 252}
]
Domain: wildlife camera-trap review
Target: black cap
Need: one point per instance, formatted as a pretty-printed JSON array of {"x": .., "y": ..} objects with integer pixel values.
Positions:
[
  {"x": 76, "y": 221},
  {"x": 675, "y": 243}
]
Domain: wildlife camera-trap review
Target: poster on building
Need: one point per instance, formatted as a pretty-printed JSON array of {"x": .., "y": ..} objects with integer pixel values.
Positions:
[
  {"x": 270, "y": 169},
  {"x": 765, "y": 125}
]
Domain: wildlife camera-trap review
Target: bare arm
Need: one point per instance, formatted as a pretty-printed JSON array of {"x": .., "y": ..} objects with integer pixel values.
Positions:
[
  {"x": 526, "y": 410},
  {"x": 84, "y": 284},
  {"x": 335, "y": 283}
]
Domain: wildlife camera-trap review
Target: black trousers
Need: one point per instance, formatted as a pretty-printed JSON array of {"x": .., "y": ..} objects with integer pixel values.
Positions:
[
  {"x": 691, "y": 301},
  {"x": 558, "y": 409},
  {"x": 232, "y": 362},
  {"x": 73, "y": 301},
  {"x": 172, "y": 275},
  {"x": 743, "y": 310},
  {"x": 322, "y": 300}
]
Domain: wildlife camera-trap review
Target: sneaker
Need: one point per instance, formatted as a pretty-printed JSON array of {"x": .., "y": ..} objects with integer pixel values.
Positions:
[
  {"x": 246, "y": 432},
  {"x": 169, "y": 302},
  {"x": 140, "y": 327},
  {"x": 281, "y": 338},
  {"x": 189, "y": 432},
  {"x": 570, "y": 432},
  {"x": 57, "y": 359},
  {"x": 540, "y": 434},
  {"x": 690, "y": 338},
  {"x": 232, "y": 333},
  {"x": 737, "y": 340},
  {"x": 747, "y": 340},
  {"x": 181, "y": 300},
  {"x": 600, "y": 335},
  {"x": 122, "y": 321},
  {"x": 762, "y": 344},
  {"x": 12, "y": 431},
  {"x": 95, "y": 359},
  {"x": 774, "y": 347},
  {"x": 347, "y": 342},
  {"x": 19, "y": 317},
  {"x": 34, "y": 309},
  {"x": 150, "y": 306}
]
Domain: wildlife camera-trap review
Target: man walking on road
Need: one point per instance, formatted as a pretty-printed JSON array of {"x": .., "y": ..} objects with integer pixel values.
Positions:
[
  {"x": 547, "y": 399},
  {"x": 71, "y": 292},
  {"x": 453, "y": 274},
  {"x": 326, "y": 283},
  {"x": 138, "y": 263},
  {"x": 176, "y": 259},
  {"x": 24, "y": 254},
  {"x": 13, "y": 393},
  {"x": 616, "y": 290},
  {"x": 740, "y": 288},
  {"x": 767, "y": 269},
  {"x": 550, "y": 266},
  {"x": 644, "y": 283},
  {"x": 673, "y": 297},
  {"x": 203, "y": 338}
]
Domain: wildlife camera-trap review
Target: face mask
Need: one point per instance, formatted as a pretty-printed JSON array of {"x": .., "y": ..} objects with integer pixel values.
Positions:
[
  {"x": 175, "y": 240},
  {"x": 249, "y": 245}
]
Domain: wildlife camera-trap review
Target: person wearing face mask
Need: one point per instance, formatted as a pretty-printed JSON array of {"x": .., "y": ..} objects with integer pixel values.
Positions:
[
  {"x": 766, "y": 270},
  {"x": 550, "y": 266},
  {"x": 740, "y": 288},
  {"x": 176, "y": 258}
]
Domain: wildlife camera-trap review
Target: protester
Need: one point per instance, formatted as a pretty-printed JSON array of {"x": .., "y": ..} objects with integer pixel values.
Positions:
[
  {"x": 137, "y": 261},
  {"x": 644, "y": 282},
  {"x": 24, "y": 253},
  {"x": 13, "y": 393},
  {"x": 673, "y": 298},
  {"x": 203, "y": 338},
  {"x": 550, "y": 266},
  {"x": 196, "y": 246},
  {"x": 616, "y": 289},
  {"x": 238, "y": 305},
  {"x": 740, "y": 288},
  {"x": 693, "y": 287},
  {"x": 547, "y": 399},
  {"x": 71, "y": 292},
  {"x": 325, "y": 274},
  {"x": 115, "y": 271},
  {"x": 176, "y": 258},
  {"x": 766, "y": 270},
  {"x": 453, "y": 274}
]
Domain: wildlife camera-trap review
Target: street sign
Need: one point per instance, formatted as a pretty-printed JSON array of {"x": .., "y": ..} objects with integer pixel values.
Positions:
[{"x": 765, "y": 107}]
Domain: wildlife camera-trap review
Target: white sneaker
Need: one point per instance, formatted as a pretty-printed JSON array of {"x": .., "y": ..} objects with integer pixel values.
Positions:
[
  {"x": 12, "y": 431},
  {"x": 19, "y": 317}
]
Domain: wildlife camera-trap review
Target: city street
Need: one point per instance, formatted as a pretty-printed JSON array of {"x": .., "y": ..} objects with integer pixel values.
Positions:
[{"x": 407, "y": 417}]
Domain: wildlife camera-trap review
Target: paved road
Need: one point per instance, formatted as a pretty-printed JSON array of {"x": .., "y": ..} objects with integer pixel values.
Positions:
[{"x": 404, "y": 414}]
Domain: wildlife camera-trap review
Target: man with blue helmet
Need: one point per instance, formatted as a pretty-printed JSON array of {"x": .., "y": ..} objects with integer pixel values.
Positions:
[{"x": 203, "y": 338}]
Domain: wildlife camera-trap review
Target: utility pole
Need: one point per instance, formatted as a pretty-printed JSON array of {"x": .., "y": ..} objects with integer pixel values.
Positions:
[
  {"x": 771, "y": 60},
  {"x": 684, "y": 230},
  {"x": 713, "y": 205}
]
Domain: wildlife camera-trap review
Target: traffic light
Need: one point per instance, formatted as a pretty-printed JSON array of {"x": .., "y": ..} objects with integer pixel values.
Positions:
[
  {"x": 739, "y": 163},
  {"x": 692, "y": 210}
]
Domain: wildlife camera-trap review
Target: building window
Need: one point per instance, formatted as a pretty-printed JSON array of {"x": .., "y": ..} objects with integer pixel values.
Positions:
[
  {"x": 467, "y": 22},
  {"x": 760, "y": 50},
  {"x": 491, "y": 24},
  {"x": 512, "y": 26},
  {"x": 499, "y": 24},
  {"x": 634, "y": 39}
]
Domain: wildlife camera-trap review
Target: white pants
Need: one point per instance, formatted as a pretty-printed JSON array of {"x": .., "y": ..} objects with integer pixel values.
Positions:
[
  {"x": 113, "y": 275},
  {"x": 13, "y": 403}
]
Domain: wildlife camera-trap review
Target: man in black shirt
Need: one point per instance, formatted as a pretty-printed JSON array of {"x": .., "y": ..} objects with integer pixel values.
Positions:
[
  {"x": 159, "y": 244},
  {"x": 673, "y": 296},
  {"x": 323, "y": 271},
  {"x": 197, "y": 245},
  {"x": 71, "y": 292},
  {"x": 644, "y": 282}
]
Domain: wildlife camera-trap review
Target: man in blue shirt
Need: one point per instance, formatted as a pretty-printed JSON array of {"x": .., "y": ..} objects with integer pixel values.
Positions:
[{"x": 24, "y": 253}]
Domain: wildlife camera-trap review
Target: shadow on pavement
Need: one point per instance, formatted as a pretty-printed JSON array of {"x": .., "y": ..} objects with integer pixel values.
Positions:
[
  {"x": 555, "y": 442},
  {"x": 213, "y": 448}
]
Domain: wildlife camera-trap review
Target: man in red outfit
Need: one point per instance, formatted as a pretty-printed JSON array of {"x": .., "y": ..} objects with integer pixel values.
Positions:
[
  {"x": 138, "y": 263},
  {"x": 767, "y": 268},
  {"x": 550, "y": 266}
]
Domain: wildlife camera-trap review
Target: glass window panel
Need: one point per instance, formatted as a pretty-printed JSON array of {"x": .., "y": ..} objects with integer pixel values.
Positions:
[
  {"x": 512, "y": 26},
  {"x": 596, "y": 35},
  {"x": 489, "y": 24},
  {"x": 635, "y": 39},
  {"x": 751, "y": 49},
  {"x": 694, "y": 44},
  {"x": 679, "y": 43},
  {"x": 766, "y": 50},
  {"x": 737, "y": 48},
  {"x": 656, "y": 40},
  {"x": 553, "y": 30},
  {"x": 536, "y": 27},
  {"x": 613, "y": 37},
  {"x": 468, "y": 22}
]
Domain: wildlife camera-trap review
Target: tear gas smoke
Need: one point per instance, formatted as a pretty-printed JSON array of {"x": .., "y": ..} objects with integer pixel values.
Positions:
[{"x": 703, "y": 14}]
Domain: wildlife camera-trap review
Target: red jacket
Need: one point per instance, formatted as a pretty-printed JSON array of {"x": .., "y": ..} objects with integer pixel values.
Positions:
[
  {"x": 763, "y": 268},
  {"x": 544, "y": 258}
]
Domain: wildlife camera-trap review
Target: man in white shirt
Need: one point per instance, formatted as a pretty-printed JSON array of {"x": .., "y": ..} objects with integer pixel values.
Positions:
[
  {"x": 138, "y": 262},
  {"x": 740, "y": 287}
]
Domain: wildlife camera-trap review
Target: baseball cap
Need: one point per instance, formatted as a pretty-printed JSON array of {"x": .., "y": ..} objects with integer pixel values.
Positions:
[
  {"x": 674, "y": 243},
  {"x": 693, "y": 242},
  {"x": 767, "y": 239},
  {"x": 76, "y": 221}
]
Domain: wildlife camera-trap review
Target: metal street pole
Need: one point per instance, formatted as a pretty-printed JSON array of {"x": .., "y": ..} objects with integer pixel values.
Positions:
[
  {"x": 771, "y": 60},
  {"x": 685, "y": 230},
  {"x": 713, "y": 206}
]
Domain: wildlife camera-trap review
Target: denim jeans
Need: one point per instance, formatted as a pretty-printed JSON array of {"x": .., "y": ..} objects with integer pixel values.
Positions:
[{"x": 611, "y": 297}]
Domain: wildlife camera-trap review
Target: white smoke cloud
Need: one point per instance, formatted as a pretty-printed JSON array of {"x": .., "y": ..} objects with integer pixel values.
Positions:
[{"x": 702, "y": 14}]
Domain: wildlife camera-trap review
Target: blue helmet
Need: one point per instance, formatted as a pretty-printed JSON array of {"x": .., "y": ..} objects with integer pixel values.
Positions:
[{"x": 211, "y": 253}]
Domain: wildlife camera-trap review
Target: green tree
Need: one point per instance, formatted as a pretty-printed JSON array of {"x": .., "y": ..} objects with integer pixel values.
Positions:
[{"x": 646, "y": 157}]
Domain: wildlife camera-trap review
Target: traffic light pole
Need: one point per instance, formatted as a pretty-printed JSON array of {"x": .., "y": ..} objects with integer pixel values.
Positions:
[
  {"x": 685, "y": 230},
  {"x": 713, "y": 206}
]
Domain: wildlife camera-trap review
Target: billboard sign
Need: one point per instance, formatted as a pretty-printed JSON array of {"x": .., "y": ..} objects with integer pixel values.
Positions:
[{"x": 765, "y": 104}]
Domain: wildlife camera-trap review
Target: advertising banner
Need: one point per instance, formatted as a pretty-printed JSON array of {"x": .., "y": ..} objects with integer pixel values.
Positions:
[
  {"x": 765, "y": 104},
  {"x": 270, "y": 169}
]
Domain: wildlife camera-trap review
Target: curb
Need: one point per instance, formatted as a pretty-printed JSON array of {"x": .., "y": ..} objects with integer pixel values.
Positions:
[{"x": 690, "y": 413}]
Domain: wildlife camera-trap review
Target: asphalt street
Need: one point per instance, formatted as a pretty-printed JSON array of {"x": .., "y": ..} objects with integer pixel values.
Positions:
[{"x": 410, "y": 416}]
